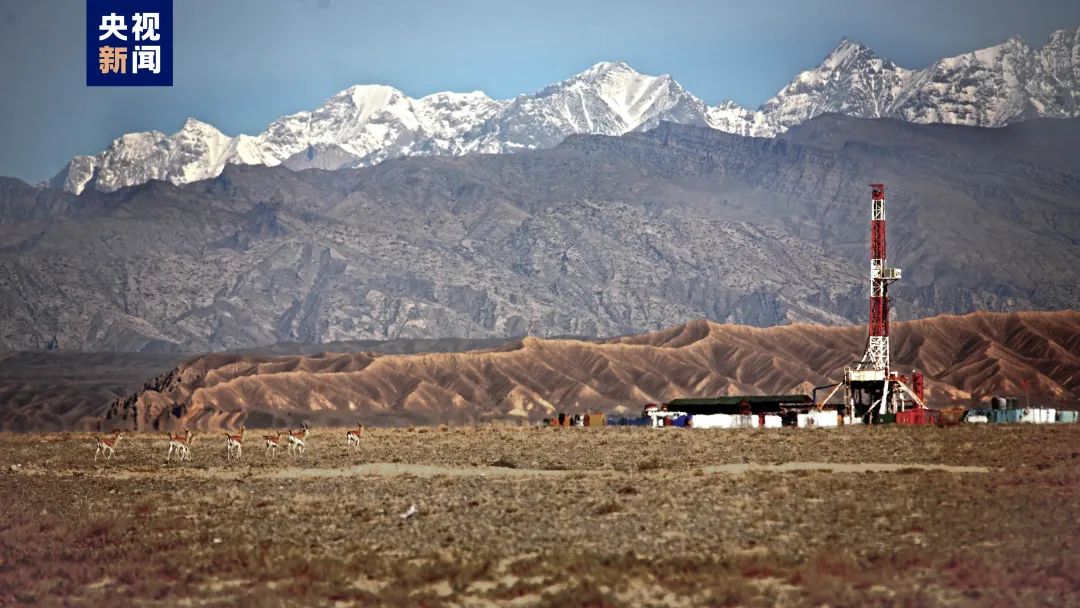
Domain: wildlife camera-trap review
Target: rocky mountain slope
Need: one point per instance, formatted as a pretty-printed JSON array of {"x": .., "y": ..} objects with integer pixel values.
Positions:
[
  {"x": 965, "y": 358},
  {"x": 57, "y": 391},
  {"x": 597, "y": 236},
  {"x": 368, "y": 124},
  {"x": 42, "y": 391}
]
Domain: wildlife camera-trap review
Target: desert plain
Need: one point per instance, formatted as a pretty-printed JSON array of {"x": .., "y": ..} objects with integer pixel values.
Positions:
[{"x": 524, "y": 516}]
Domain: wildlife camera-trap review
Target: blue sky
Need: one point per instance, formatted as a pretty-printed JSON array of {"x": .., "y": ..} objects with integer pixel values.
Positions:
[{"x": 242, "y": 63}]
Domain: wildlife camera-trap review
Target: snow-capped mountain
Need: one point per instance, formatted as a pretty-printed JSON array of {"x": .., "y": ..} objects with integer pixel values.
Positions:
[
  {"x": 606, "y": 99},
  {"x": 366, "y": 124},
  {"x": 985, "y": 88},
  {"x": 601, "y": 236},
  {"x": 852, "y": 81},
  {"x": 197, "y": 151},
  {"x": 989, "y": 87},
  {"x": 361, "y": 125}
]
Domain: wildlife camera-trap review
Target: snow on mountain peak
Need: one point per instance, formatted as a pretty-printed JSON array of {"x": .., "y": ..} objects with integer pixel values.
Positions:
[
  {"x": 634, "y": 97},
  {"x": 193, "y": 124},
  {"x": 1065, "y": 35},
  {"x": 845, "y": 50},
  {"x": 609, "y": 98},
  {"x": 366, "y": 124},
  {"x": 602, "y": 68},
  {"x": 369, "y": 96},
  {"x": 850, "y": 80}
]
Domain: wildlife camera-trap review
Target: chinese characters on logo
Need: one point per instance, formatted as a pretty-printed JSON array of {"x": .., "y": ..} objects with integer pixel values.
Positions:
[
  {"x": 147, "y": 57},
  {"x": 129, "y": 42}
]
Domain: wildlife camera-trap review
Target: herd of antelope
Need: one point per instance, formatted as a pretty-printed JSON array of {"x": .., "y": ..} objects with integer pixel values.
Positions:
[{"x": 180, "y": 445}]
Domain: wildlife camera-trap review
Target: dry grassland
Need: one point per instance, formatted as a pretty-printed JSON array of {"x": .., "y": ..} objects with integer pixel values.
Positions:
[{"x": 554, "y": 517}]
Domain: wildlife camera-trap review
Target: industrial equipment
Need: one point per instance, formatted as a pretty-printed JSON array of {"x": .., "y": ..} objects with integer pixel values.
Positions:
[{"x": 872, "y": 390}]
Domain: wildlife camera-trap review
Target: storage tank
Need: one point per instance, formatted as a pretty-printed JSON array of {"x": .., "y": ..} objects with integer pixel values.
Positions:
[{"x": 997, "y": 403}]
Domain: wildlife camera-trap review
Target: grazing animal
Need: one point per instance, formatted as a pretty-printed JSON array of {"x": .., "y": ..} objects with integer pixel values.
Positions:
[
  {"x": 272, "y": 443},
  {"x": 296, "y": 439},
  {"x": 177, "y": 443},
  {"x": 235, "y": 443},
  {"x": 352, "y": 438},
  {"x": 105, "y": 443},
  {"x": 187, "y": 445}
]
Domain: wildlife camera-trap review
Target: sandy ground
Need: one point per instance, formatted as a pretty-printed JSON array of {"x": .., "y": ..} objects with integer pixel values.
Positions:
[{"x": 974, "y": 515}]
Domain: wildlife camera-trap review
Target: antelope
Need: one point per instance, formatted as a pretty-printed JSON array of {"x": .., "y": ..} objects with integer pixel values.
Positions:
[
  {"x": 272, "y": 443},
  {"x": 107, "y": 444},
  {"x": 296, "y": 439},
  {"x": 187, "y": 445},
  {"x": 352, "y": 438},
  {"x": 235, "y": 442},
  {"x": 177, "y": 443}
]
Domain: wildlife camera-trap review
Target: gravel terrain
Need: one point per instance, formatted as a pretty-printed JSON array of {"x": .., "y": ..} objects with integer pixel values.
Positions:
[{"x": 526, "y": 516}]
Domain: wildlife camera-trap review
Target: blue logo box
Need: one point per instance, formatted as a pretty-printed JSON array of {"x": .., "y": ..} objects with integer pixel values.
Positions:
[{"x": 129, "y": 43}]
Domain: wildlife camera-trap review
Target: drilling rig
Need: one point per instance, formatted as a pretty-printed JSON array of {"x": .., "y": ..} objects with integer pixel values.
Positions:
[{"x": 871, "y": 388}]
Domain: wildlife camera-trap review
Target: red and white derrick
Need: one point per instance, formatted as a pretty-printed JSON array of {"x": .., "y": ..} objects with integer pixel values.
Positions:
[{"x": 872, "y": 388}]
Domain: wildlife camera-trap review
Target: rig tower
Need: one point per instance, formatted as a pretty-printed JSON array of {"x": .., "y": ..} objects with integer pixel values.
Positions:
[
  {"x": 872, "y": 389},
  {"x": 877, "y": 344}
]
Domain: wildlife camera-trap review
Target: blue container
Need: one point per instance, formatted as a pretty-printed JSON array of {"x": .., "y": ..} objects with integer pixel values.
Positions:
[
  {"x": 1067, "y": 416},
  {"x": 1012, "y": 415}
]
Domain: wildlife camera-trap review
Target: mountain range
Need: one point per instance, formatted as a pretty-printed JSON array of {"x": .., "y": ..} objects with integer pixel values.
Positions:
[
  {"x": 367, "y": 124},
  {"x": 598, "y": 236}
]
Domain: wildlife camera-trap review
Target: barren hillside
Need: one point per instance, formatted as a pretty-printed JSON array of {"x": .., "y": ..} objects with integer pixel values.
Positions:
[
  {"x": 964, "y": 358},
  {"x": 599, "y": 236}
]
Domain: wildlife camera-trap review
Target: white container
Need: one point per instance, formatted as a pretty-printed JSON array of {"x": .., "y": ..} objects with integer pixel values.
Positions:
[
  {"x": 772, "y": 421},
  {"x": 824, "y": 418},
  {"x": 712, "y": 421},
  {"x": 1039, "y": 415},
  {"x": 803, "y": 420},
  {"x": 978, "y": 418},
  {"x": 700, "y": 421}
]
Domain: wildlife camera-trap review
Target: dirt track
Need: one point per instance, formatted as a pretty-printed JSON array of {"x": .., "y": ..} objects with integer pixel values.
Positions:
[{"x": 553, "y": 517}]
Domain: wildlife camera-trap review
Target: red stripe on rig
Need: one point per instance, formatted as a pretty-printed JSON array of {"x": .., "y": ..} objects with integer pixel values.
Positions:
[
  {"x": 877, "y": 239},
  {"x": 879, "y": 317}
]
